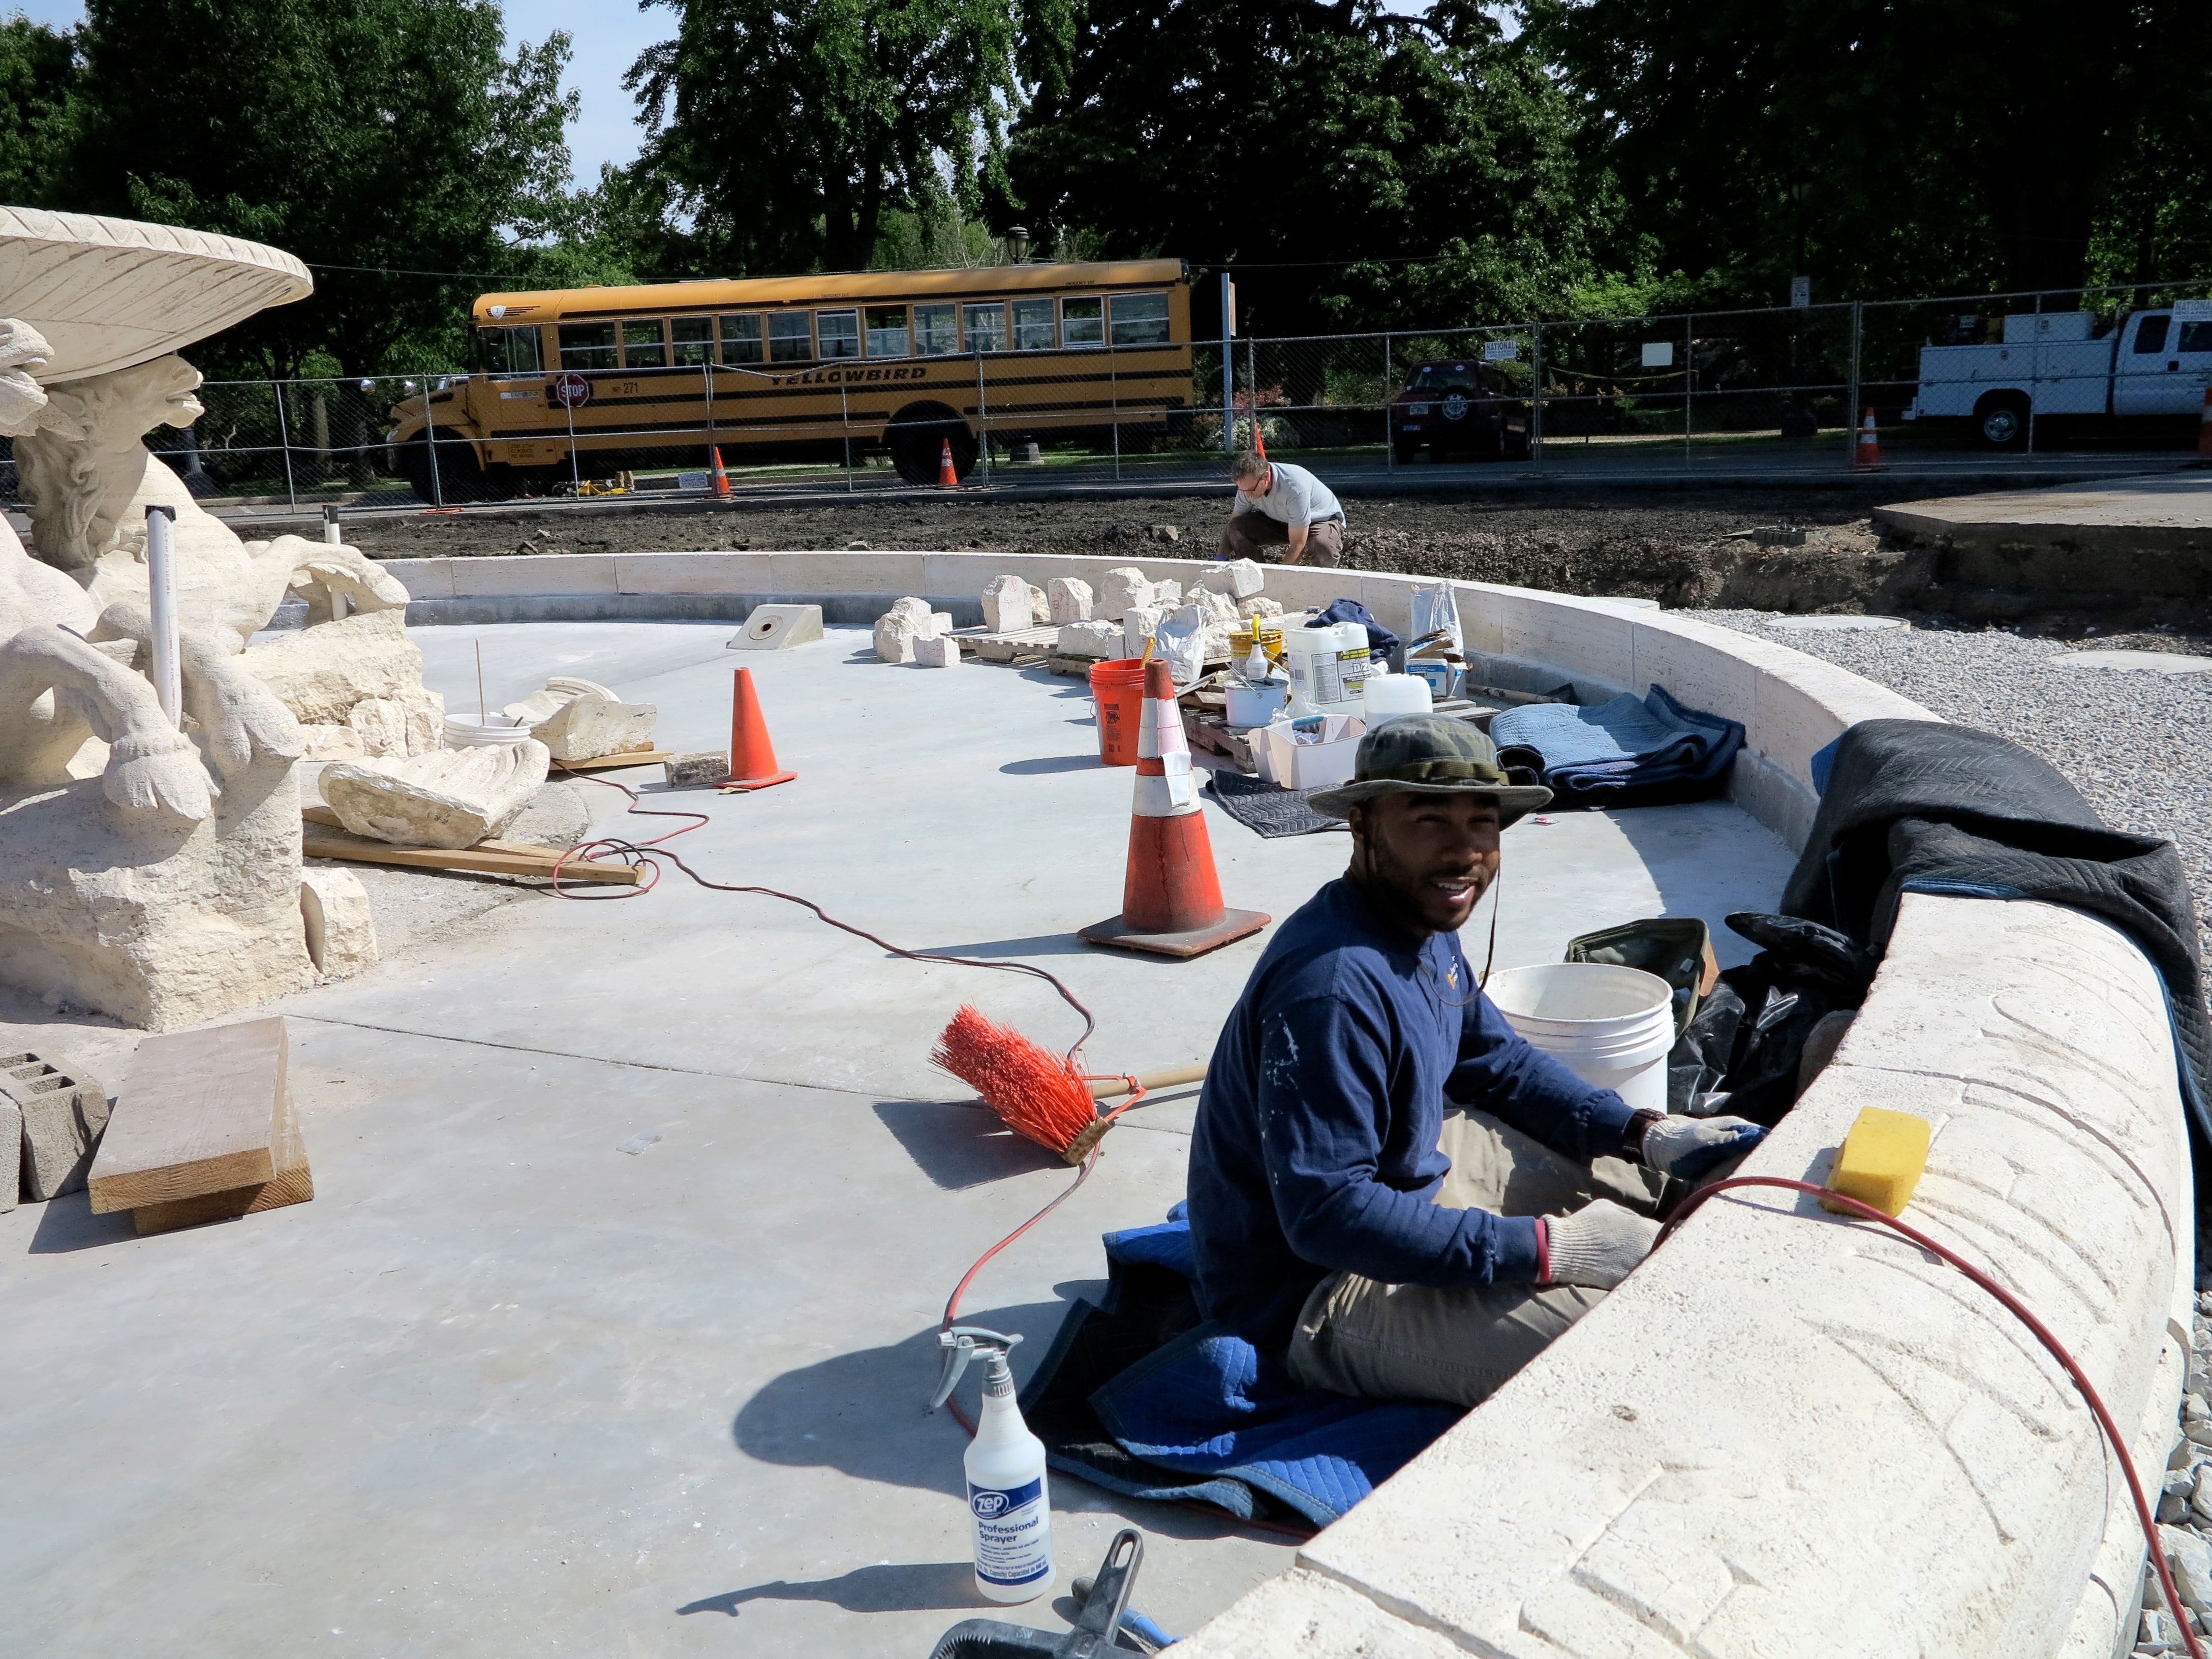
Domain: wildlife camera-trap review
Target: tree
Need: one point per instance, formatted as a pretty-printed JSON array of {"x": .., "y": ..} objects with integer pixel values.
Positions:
[
  {"x": 1934, "y": 144},
  {"x": 1288, "y": 140},
  {"x": 40, "y": 105},
  {"x": 786, "y": 130},
  {"x": 377, "y": 140}
]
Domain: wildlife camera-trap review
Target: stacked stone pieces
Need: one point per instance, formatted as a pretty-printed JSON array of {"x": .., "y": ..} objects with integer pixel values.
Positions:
[{"x": 908, "y": 620}]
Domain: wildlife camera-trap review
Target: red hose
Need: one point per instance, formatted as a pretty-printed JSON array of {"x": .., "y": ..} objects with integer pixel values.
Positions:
[{"x": 2020, "y": 1311}]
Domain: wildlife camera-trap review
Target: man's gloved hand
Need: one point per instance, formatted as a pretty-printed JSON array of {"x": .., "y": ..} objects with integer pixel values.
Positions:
[
  {"x": 1598, "y": 1244},
  {"x": 1689, "y": 1147}
]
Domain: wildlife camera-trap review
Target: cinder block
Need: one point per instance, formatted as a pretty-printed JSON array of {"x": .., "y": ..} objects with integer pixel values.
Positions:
[
  {"x": 691, "y": 771},
  {"x": 778, "y": 627},
  {"x": 60, "y": 1112}
]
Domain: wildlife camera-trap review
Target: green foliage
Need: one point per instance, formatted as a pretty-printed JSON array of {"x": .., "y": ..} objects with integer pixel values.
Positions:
[
  {"x": 389, "y": 134},
  {"x": 40, "y": 104},
  {"x": 784, "y": 133}
]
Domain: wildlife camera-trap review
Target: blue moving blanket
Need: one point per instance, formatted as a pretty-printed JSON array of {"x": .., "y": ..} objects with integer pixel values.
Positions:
[
  {"x": 1139, "y": 1396},
  {"x": 1622, "y": 753}
]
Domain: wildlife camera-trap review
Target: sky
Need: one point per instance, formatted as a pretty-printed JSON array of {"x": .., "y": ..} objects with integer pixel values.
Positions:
[{"x": 608, "y": 35}]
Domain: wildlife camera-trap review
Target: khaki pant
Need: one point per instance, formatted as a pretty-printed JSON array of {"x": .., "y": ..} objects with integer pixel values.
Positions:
[
  {"x": 1256, "y": 536},
  {"x": 1360, "y": 1336}
]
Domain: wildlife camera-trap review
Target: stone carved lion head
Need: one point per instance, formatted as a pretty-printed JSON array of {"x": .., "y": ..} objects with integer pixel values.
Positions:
[{"x": 80, "y": 468}]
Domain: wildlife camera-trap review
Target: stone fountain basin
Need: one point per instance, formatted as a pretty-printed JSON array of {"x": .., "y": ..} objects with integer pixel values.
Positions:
[{"x": 107, "y": 293}]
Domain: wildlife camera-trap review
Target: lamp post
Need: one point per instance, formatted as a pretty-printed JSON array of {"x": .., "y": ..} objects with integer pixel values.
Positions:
[
  {"x": 1018, "y": 243},
  {"x": 1798, "y": 420}
]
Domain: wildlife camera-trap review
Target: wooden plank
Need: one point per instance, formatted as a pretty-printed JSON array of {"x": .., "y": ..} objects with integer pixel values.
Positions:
[
  {"x": 294, "y": 1182},
  {"x": 495, "y": 857},
  {"x": 197, "y": 1114},
  {"x": 635, "y": 757}
]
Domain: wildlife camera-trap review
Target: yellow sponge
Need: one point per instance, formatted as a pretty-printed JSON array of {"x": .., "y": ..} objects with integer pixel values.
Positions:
[{"x": 1880, "y": 1161}]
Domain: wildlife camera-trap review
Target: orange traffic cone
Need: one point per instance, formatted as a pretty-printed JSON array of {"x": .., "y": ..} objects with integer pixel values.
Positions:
[
  {"x": 1869, "y": 452},
  {"x": 946, "y": 477},
  {"x": 752, "y": 755},
  {"x": 1170, "y": 898},
  {"x": 1259, "y": 439},
  {"x": 721, "y": 478},
  {"x": 2205, "y": 426}
]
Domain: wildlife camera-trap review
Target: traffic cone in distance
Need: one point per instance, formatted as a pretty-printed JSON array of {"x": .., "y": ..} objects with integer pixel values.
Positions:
[
  {"x": 752, "y": 755},
  {"x": 1869, "y": 452},
  {"x": 2205, "y": 426},
  {"x": 1170, "y": 896},
  {"x": 721, "y": 478},
  {"x": 947, "y": 478}
]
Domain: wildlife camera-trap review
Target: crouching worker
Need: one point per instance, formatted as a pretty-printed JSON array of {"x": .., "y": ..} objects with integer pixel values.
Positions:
[
  {"x": 1283, "y": 515},
  {"x": 1387, "y": 1186}
]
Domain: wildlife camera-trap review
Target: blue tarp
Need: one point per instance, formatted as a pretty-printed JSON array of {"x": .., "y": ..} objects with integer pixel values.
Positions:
[{"x": 1621, "y": 753}]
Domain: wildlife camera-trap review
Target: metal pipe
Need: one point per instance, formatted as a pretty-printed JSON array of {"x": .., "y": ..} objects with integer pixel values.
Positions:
[
  {"x": 330, "y": 526},
  {"x": 1228, "y": 365},
  {"x": 161, "y": 597}
]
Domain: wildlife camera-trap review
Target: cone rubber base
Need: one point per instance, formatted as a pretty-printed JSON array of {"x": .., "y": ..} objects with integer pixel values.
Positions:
[
  {"x": 745, "y": 786},
  {"x": 1233, "y": 925}
]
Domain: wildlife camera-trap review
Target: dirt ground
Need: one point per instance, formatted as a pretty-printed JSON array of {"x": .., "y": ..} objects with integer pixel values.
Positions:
[{"x": 1686, "y": 548}]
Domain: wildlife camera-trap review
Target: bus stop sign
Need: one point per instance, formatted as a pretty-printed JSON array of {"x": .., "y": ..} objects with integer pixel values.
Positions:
[{"x": 570, "y": 389}]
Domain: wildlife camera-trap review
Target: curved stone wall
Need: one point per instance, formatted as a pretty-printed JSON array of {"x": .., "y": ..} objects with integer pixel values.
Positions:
[{"x": 1786, "y": 1434}]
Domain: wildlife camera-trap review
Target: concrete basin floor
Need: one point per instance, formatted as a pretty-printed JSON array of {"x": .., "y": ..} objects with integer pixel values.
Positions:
[{"x": 609, "y": 1328}]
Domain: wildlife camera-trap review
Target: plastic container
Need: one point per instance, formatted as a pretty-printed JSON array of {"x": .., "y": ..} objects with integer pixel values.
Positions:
[
  {"x": 1388, "y": 696},
  {"x": 1612, "y": 1027},
  {"x": 1255, "y": 705},
  {"x": 1118, "y": 687},
  {"x": 1440, "y": 675},
  {"x": 499, "y": 732},
  {"x": 1327, "y": 665}
]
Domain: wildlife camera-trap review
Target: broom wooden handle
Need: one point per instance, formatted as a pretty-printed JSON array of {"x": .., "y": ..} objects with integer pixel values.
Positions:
[{"x": 1106, "y": 1088}]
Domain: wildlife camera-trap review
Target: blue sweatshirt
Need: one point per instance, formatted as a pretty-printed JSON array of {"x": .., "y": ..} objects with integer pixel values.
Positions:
[{"x": 1315, "y": 1147}]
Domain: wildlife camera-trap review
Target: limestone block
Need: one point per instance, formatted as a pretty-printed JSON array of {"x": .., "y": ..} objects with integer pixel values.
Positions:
[
  {"x": 593, "y": 724},
  {"x": 1068, "y": 598},
  {"x": 452, "y": 799},
  {"x": 381, "y": 724},
  {"x": 2190, "y": 1559},
  {"x": 1250, "y": 608},
  {"x": 332, "y": 742},
  {"x": 895, "y": 635},
  {"x": 426, "y": 719},
  {"x": 1119, "y": 589},
  {"x": 1040, "y": 606},
  {"x": 910, "y": 606},
  {"x": 703, "y": 766},
  {"x": 341, "y": 932},
  {"x": 778, "y": 627},
  {"x": 11, "y": 1134},
  {"x": 556, "y": 817},
  {"x": 1089, "y": 639},
  {"x": 1006, "y": 605},
  {"x": 1168, "y": 596},
  {"x": 60, "y": 1110},
  {"x": 940, "y": 622},
  {"x": 320, "y": 673},
  {"x": 1138, "y": 623},
  {"x": 1217, "y": 608},
  {"x": 936, "y": 650},
  {"x": 1239, "y": 579}
]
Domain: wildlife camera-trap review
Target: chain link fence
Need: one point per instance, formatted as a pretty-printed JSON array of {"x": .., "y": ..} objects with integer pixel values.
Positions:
[{"x": 1948, "y": 382}]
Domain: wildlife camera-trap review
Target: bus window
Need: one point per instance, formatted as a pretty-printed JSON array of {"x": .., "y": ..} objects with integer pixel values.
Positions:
[
  {"x": 695, "y": 340},
  {"x": 1033, "y": 326},
  {"x": 984, "y": 326},
  {"x": 741, "y": 339},
  {"x": 1083, "y": 322},
  {"x": 887, "y": 331},
  {"x": 790, "y": 338},
  {"x": 1140, "y": 320},
  {"x": 587, "y": 345},
  {"x": 934, "y": 333},
  {"x": 508, "y": 351},
  {"x": 839, "y": 332},
  {"x": 643, "y": 346}
]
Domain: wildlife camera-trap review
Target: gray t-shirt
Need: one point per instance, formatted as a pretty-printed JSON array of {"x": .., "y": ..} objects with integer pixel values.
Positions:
[{"x": 1297, "y": 498}]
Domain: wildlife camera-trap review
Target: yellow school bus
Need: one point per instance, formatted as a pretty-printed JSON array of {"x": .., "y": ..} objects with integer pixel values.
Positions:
[{"x": 583, "y": 383}]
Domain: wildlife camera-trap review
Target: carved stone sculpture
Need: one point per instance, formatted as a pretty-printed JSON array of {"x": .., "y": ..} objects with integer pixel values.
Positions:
[
  {"x": 454, "y": 798},
  {"x": 580, "y": 719}
]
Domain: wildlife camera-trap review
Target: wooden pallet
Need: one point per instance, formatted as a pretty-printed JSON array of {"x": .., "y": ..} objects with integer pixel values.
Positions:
[
  {"x": 1013, "y": 644},
  {"x": 321, "y": 836}
]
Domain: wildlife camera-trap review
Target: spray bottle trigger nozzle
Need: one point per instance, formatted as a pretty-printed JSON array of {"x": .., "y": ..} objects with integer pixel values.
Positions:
[{"x": 961, "y": 1343}]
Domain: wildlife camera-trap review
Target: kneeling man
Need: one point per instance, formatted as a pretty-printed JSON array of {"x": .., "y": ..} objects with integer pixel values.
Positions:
[{"x": 1387, "y": 1185}]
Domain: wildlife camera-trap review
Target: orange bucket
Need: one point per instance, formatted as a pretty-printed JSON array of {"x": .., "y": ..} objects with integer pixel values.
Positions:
[{"x": 1118, "y": 687}]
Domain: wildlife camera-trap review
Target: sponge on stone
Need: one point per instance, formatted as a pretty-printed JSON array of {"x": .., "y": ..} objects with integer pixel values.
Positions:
[{"x": 1880, "y": 1161}]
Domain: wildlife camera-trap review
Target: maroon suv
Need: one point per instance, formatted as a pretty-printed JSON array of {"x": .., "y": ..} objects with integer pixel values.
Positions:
[{"x": 1458, "y": 407}]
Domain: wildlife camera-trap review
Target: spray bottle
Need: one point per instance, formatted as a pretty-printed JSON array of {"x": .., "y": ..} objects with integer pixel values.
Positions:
[{"x": 1007, "y": 1501}]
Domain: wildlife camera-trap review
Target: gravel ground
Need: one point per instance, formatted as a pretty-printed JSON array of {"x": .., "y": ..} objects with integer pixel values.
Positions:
[{"x": 2131, "y": 742}]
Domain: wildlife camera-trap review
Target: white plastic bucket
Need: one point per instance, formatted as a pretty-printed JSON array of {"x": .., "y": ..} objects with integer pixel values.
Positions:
[
  {"x": 1255, "y": 705},
  {"x": 1612, "y": 1027},
  {"x": 499, "y": 732}
]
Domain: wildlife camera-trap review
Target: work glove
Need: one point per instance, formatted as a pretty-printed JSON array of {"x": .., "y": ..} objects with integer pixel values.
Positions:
[
  {"x": 1689, "y": 1147},
  {"x": 1598, "y": 1244}
]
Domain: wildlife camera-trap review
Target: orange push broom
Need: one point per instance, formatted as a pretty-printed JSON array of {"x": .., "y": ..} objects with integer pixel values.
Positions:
[{"x": 1039, "y": 1094}]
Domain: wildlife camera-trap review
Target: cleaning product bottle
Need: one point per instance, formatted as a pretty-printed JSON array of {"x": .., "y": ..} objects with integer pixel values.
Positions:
[{"x": 1007, "y": 1501}]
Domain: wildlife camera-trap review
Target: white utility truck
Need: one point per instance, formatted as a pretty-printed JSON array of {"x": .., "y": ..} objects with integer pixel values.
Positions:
[{"x": 2065, "y": 365}]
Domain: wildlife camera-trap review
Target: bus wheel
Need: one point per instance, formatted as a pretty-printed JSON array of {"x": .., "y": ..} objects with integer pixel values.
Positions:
[
  {"x": 460, "y": 477},
  {"x": 916, "y": 438}
]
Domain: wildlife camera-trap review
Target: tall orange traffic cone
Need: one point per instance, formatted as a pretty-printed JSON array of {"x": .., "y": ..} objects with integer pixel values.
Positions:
[
  {"x": 752, "y": 755},
  {"x": 2205, "y": 426},
  {"x": 1171, "y": 898},
  {"x": 1869, "y": 452},
  {"x": 947, "y": 478},
  {"x": 721, "y": 478}
]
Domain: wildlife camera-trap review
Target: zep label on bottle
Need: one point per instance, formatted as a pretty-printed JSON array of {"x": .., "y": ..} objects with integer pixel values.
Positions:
[{"x": 1013, "y": 1541}]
